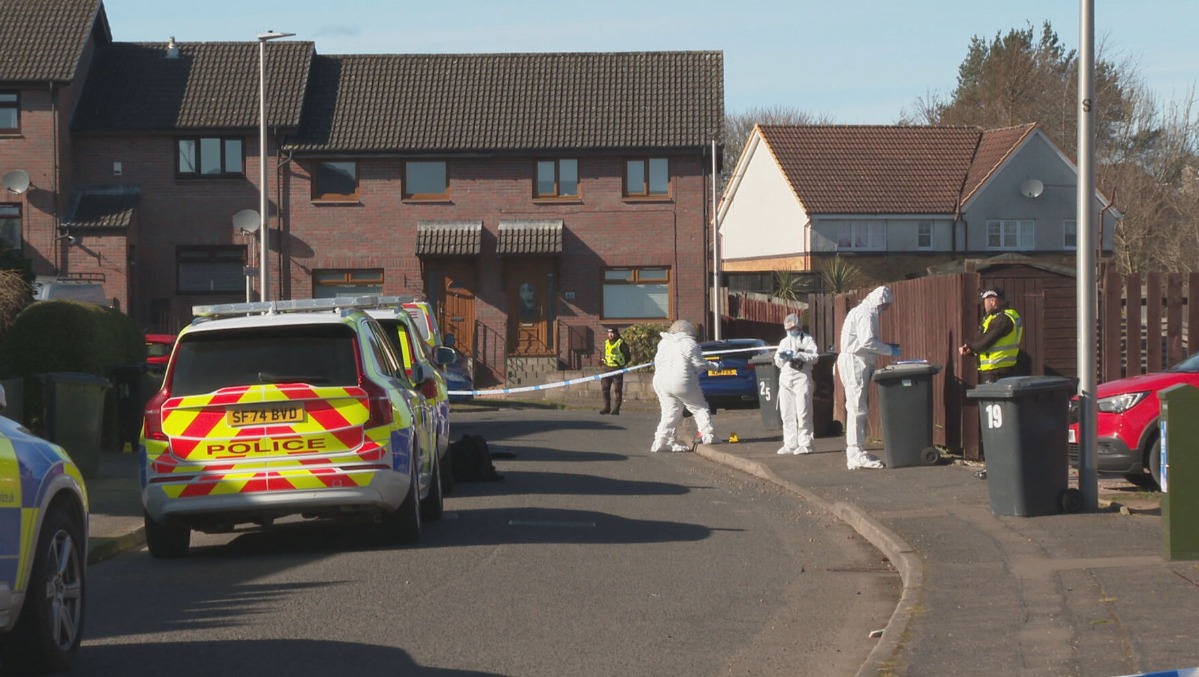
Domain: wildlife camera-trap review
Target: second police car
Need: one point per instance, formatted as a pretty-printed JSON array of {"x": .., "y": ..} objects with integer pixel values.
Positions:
[{"x": 281, "y": 408}]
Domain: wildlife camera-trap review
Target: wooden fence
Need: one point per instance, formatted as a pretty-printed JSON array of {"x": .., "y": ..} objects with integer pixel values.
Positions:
[{"x": 933, "y": 315}]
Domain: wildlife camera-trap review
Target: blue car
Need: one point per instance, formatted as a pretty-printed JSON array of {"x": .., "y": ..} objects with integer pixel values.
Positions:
[
  {"x": 729, "y": 382},
  {"x": 458, "y": 378}
]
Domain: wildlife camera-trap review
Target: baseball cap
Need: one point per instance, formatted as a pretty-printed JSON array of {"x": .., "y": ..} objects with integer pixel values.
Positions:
[{"x": 993, "y": 291}]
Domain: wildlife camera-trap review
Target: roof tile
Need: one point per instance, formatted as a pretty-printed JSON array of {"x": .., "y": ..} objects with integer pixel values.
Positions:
[{"x": 43, "y": 41}]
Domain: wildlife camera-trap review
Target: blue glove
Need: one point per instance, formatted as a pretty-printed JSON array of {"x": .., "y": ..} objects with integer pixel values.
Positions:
[
  {"x": 894, "y": 349},
  {"x": 786, "y": 354}
]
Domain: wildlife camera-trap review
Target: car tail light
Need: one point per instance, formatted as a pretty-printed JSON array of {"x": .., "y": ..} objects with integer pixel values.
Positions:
[
  {"x": 429, "y": 389},
  {"x": 153, "y": 414},
  {"x": 379, "y": 403}
]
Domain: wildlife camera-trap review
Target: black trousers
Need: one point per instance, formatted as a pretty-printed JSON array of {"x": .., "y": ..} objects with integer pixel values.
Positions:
[{"x": 613, "y": 387}]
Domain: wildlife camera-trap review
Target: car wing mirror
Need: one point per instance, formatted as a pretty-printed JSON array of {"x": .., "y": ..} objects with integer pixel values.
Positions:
[
  {"x": 445, "y": 355},
  {"x": 449, "y": 341}
]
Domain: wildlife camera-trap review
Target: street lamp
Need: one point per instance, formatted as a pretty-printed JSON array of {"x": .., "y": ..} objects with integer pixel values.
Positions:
[{"x": 263, "y": 272}]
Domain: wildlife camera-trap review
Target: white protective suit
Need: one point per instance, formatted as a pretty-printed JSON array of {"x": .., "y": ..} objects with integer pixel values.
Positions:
[
  {"x": 860, "y": 348},
  {"x": 795, "y": 358},
  {"x": 676, "y": 381}
]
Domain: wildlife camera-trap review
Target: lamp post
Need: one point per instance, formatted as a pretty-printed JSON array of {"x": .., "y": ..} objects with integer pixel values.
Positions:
[{"x": 263, "y": 272}]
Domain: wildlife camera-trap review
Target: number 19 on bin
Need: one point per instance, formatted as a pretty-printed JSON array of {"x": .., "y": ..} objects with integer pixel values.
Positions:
[{"x": 994, "y": 416}]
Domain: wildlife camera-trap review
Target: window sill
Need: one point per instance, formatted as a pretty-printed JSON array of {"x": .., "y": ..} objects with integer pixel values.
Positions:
[
  {"x": 427, "y": 201},
  {"x": 337, "y": 203},
  {"x": 558, "y": 200},
  {"x": 649, "y": 198}
]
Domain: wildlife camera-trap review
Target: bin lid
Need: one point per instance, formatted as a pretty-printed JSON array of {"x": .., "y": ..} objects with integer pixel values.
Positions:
[
  {"x": 906, "y": 370},
  {"x": 74, "y": 377},
  {"x": 1012, "y": 386},
  {"x": 765, "y": 358}
]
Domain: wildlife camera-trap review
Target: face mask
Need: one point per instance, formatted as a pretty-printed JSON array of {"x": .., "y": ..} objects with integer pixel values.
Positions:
[{"x": 793, "y": 332}]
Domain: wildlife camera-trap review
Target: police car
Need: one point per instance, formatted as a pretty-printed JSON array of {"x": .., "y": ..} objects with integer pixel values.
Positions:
[
  {"x": 281, "y": 408},
  {"x": 43, "y": 552},
  {"x": 424, "y": 377}
]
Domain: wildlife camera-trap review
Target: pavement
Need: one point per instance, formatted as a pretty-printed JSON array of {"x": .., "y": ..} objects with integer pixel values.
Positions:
[{"x": 1088, "y": 593}]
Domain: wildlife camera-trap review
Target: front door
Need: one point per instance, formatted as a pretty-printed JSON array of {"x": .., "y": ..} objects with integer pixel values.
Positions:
[
  {"x": 456, "y": 312},
  {"x": 529, "y": 310}
]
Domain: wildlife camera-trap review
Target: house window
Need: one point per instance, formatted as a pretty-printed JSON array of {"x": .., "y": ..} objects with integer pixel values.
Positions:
[
  {"x": 209, "y": 156},
  {"x": 425, "y": 180},
  {"x": 557, "y": 178},
  {"x": 10, "y": 225},
  {"x": 210, "y": 269},
  {"x": 862, "y": 236},
  {"x": 330, "y": 283},
  {"x": 335, "y": 182},
  {"x": 924, "y": 235},
  {"x": 1069, "y": 234},
  {"x": 647, "y": 178},
  {"x": 10, "y": 112},
  {"x": 637, "y": 293},
  {"x": 1011, "y": 234}
]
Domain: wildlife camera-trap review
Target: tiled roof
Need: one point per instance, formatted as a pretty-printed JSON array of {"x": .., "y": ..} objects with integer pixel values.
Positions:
[
  {"x": 529, "y": 237},
  {"x": 43, "y": 40},
  {"x": 855, "y": 169},
  {"x": 102, "y": 207},
  {"x": 211, "y": 85},
  {"x": 435, "y": 102},
  {"x": 449, "y": 238},
  {"x": 996, "y": 146}
]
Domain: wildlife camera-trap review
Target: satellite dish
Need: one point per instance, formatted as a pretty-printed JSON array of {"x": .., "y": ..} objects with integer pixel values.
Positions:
[
  {"x": 16, "y": 181},
  {"x": 247, "y": 221},
  {"x": 1032, "y": 188}
]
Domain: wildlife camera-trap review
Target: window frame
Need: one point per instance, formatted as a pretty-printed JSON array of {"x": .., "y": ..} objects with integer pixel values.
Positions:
[
  {"x": 215, "y": 256},
  {"x": 639, "y": 276},
  {"x": 198, "y": 157},
  {"x": 15, "y": 106},
  {"x": 317, "y": 193},
  {"x": 871, "y": 227},
  {"x": 647, "y": 171},
  {"x": 921, "y": 234},
  {"x": 411, "y": 196},
  {"x": 15, "y": 216},
  {"x": 1070, "y": 232},
  {"x": 556, "y": 179},
  {"x": 349, "y": 278},
  {"x": 1025, "y": 233}
]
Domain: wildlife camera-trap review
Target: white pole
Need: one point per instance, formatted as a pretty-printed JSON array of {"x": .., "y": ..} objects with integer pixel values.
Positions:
[
  {"x": 264, "y": 276},
  {"x": 715, "y": 253},
  {"x": 1088, "y": 478}
]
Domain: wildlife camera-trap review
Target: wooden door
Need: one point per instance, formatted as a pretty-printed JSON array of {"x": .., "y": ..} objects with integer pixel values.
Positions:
[
  {"x": 528, "y": 287},
  {"x": 456, "y": 312}
]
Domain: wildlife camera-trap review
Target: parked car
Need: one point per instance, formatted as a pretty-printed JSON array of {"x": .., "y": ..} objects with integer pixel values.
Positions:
[
  {"x": 43, "y": 552},
  {"x": 423, "y": 376},
  {"x": 458, "y": 378},
  {"x": 158, "y": 349},
  {"x": 281, "y": 408},
  {"x": 1128, "y": 441},
  {"x": 729, "y": 381}
]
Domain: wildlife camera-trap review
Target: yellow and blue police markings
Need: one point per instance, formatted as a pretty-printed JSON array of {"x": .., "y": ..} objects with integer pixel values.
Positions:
[{"x": 26, "y": 470}]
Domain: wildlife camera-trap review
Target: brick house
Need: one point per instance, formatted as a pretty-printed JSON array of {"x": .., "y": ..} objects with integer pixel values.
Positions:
[{"x": 532, "y": 197}]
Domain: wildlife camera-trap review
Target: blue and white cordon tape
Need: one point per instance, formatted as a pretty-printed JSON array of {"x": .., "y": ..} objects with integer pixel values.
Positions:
[{"x": 596, "y": 377}]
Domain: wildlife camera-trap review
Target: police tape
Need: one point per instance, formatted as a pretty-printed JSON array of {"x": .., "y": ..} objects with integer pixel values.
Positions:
[{"x": 585, "y": 379}]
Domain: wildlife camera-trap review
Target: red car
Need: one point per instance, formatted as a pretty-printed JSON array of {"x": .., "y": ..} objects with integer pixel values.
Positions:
[
  {"x": 158, "y": 349},
  {"x": 1128, "y": 439}
]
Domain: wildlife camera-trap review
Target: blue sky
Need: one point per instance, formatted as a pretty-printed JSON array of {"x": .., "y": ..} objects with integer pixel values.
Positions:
[{"x": 854, "y": 61}]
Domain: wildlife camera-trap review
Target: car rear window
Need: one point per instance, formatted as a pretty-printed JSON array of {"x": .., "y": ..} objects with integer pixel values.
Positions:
[{"x": 319, "y": 355}]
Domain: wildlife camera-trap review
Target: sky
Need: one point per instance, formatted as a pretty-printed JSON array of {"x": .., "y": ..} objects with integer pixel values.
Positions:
[{"x": 848, "y": 61}]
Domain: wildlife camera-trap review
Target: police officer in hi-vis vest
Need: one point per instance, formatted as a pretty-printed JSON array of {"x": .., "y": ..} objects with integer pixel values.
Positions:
[
  {"x": 616, "y": 356},
  {"x": 998, "y": 344}
]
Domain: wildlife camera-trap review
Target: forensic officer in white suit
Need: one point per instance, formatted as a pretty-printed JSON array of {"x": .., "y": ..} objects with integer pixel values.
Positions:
[{"x": 796, "y": 355}]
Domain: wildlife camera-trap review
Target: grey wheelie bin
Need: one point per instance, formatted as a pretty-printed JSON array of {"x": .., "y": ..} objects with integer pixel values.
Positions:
[
  {"x": 905, "y": 396},
  {"x": 74, "y": 416},
  {"x": 1024, "y": 424},
  {"x": 768, "y": 390}
]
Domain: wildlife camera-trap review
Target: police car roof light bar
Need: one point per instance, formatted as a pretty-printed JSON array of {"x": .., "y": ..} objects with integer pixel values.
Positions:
[{"x": 341, "y": 303}]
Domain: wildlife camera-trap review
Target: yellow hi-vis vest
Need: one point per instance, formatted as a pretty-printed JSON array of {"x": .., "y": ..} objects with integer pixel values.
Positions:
[
  {"x": 613, "y": 356},
  {"x": 1004, "y": 351}
]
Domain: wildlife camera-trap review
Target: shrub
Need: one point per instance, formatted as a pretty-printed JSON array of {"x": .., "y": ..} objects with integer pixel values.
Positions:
[
  {"x": 67, "y": 336},
  {"x": 643, "y": 340}
]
